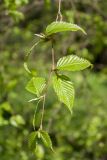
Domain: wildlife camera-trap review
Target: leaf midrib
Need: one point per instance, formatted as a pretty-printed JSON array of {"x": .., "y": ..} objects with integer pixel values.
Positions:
[
  {"x": 64, "y": 29},
  {"x": 69, "y": 65}
]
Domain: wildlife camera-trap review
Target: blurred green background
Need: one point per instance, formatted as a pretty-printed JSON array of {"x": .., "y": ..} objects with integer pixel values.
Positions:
[{"x": 82, "y": 136}]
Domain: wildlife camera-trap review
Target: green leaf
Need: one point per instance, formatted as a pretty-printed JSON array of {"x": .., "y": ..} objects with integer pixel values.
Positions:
[
  {"x": 46, "y": 139},
  {"x": 6, "y": 107},
  {"x": 26, "y": 68},
  {"x": 64, "y": 90},
  {"x": 36, "y": 85},
  {"x": 31, "y": 72},
  {"x": 72, "y": 63},
  {"x": 56, "y": 27},
  {"x": 32, "y": 140},
  {"x": 34, "y": 117}
]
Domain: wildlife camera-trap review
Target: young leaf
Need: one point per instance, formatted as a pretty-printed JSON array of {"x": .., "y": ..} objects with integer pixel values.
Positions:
[
  {"x": 72, "y": 63},
  {"x": 64, "y": 90},
  {"x": 31, "y": 72},
  {"x": 36, "y": 85},
  {"x": 26, "y": 68},
  {"x": 32, "y": 140},
  {"x": 46, "y": 139},
  {"x": 56, "y": 27}
]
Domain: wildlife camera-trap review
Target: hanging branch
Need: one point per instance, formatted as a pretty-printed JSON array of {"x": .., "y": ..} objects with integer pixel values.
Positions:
[{"x": 62, "y": 84}]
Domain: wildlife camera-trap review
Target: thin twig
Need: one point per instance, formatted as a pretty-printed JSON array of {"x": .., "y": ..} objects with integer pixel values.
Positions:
[
  {"x": 27, "y": 56},
  {"x": 59, "y": 15},
  {"x": 44, "y": 97},
  {"x": 53, "y": 58},
  {"x": 30, "y": 51},
  {"x": 43, "y": 109}
]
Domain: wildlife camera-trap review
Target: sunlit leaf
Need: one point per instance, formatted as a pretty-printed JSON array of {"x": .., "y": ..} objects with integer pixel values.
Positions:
[
  {"x": 56, "y": 27},
  {"x": 36, "y": 85},
  {"x": 72, "y": 63},
  {"x": 64, "y": 90}
]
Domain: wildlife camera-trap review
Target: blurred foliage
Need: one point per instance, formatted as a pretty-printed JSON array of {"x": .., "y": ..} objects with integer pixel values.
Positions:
[{"x": 81, "y": 136}]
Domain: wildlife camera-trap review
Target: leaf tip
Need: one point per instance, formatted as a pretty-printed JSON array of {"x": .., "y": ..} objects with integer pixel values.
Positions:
[
  {"x": 26, "y": 68},
  {"x": 84, "y": 31},
  {"x": 91, "y": 65},
  {"x": 53, "y": 150}
]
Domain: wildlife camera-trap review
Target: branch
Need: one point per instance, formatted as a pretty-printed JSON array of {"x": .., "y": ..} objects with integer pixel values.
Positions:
[{"x": 59, "y": 15}]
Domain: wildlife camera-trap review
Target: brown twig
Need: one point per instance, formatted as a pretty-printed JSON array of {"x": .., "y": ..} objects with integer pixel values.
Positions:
[{"x": 59, "y": 15}]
